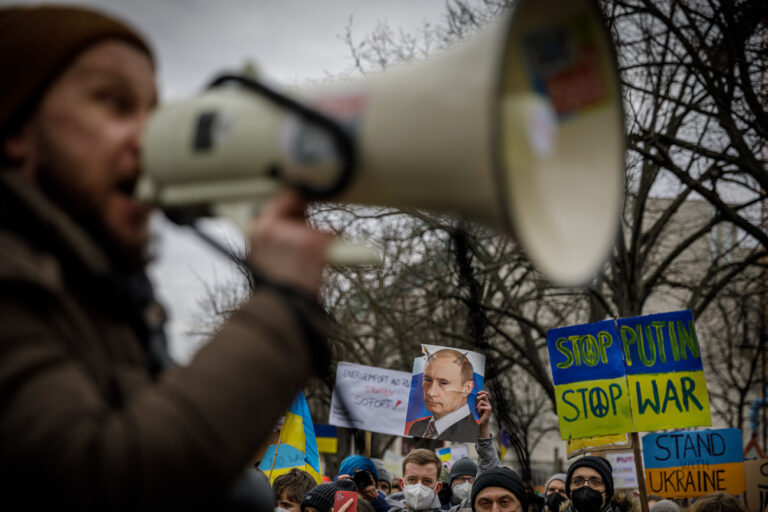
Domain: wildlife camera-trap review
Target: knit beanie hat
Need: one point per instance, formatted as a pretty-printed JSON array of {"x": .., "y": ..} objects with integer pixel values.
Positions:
[
  {"x": 463, "y": 466},
  {"x": 37, "y": 44},
  {"x": 321, "y": 497},
  {"x": 358, "y": 463},
  {"x": 556, "y": 476},
  {"x": 501, "y": 477},
  {"x": 384, "y": 474},
  {"x": 599, "y": 464}
]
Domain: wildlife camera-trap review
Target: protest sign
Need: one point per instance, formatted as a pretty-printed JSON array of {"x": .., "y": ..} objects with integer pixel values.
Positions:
[
  {"x": 692, "y": 464},
  {"x": 376, "y": 398},
  {"x": 664, "y": 371},
  {"x": 442, "y": 399},
  {"x": 574, "y": 447},
  {"x": 756, "y": 495},
  {"x": 590, "y": 386},
  {"x": 623, "y": 464}
]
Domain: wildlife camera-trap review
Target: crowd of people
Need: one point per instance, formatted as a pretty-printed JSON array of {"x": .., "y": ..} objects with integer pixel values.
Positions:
[
  {"x": 95, "y": 415},
  {"x": 586, "y": 487}
]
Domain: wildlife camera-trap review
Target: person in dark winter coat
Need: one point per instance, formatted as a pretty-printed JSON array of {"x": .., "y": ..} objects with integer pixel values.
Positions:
[
  {"x": 589, "y": 486},
  {"x": 463, "y": 473},
  {"x": 93, "y": 414}
]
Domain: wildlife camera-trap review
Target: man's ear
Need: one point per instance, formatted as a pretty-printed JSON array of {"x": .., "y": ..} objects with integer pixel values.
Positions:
[
  {"x": 467, "y": 387},
  {"x": 402, "y": 484},
  {"x": 439, "y": 486}
]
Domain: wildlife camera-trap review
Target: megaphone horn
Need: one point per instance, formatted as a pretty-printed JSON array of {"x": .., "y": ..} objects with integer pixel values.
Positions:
[{"x": 520, "y": 128}]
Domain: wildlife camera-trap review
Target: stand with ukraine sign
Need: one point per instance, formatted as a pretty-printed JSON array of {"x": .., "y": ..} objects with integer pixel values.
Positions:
[{"x": 626, "y": 376}]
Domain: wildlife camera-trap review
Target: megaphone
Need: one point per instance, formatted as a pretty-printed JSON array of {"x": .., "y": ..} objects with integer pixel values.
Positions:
[{"x": 520, "y": 127}]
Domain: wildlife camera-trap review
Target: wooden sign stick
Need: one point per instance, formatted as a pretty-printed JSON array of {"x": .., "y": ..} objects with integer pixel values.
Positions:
[
  {"x": 368, "y": 439},
  {"x": 639, "y": 472}
]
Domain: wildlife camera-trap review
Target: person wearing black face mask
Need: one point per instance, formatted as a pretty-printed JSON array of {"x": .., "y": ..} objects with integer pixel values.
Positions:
[{"x": 589, "y": 485}]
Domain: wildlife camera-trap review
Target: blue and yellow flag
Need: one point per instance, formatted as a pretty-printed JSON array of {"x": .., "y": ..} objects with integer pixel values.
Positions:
[
  {"x": 297, "y": 447},
  {"x": 327, "y": 438},
  {"x": 444, "y": 454},
  {"x": 504, "y": 444}
]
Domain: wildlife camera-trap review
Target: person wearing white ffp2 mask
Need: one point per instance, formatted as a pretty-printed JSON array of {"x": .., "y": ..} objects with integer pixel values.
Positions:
[
  {"x": 420, "y": 483},
  {"x": 462, "y": 477}
]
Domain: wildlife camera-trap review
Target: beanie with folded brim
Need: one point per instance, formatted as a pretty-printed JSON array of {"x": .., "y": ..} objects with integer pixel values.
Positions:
[
  {"x": 320, "y": 498},
  {"x": 599, "y": 464},
  {"x": 36, "y": 46},
  {"x": 501, "y": 477}
]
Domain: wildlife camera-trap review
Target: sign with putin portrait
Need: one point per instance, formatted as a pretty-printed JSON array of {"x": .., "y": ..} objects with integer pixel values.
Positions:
[
  {"x": 442, "y": 403},
  {"x": 590, "y": 383}
]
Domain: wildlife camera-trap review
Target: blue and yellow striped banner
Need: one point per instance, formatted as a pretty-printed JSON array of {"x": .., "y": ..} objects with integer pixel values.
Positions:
[{"x": 297, "y": 447}]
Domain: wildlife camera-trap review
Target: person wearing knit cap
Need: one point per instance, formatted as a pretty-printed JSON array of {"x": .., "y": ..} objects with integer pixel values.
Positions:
[
  {"x": 462, "y": 477},
  {"x": 554, "y": 493},
  {"x": 321, "y": 498},
  {"x": 99, "y": 416},
  {"x": 501, "y": 487},
  {"x": 589, "y": 484},
  {"x": 364, "y": 474},
  {"x": 384, "y": 482}
]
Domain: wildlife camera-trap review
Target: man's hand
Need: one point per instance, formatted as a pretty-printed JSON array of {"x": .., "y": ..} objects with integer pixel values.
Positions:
[
  {"x": 284, "y": 247},
  {"x": 484, "y": 410}
]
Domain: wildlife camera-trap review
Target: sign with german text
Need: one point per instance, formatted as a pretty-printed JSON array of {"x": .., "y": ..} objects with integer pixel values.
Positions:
[
  {"x": 756, "y": 495},
  {"x": 664, "y": 371},
  {"x": 624, "y": 471},
  {"x": 692, "y": 464},
  {"x": 370, "y": 398},
  {"x": 590, "y": 384}
]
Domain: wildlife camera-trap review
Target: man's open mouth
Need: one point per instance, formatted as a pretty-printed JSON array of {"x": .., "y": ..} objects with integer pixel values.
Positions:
[{"x": 127, "y": 186}]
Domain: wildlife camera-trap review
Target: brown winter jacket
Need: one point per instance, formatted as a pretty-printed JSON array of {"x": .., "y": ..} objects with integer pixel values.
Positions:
[{"x": 83, "y": 424}]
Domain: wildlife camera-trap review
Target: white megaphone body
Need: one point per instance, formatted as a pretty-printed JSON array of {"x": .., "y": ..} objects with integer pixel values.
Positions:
[{"x": 520, "y": 128}]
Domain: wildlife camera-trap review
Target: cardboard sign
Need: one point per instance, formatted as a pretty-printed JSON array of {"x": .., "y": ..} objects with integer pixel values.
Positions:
[
  {"x": 756, "y": 495},
  {"x": 574, "y": 447},
  {"x": 442, "y": 399},
  {"x": 624, "y": 475},
  {"x": 376, "y": 398},
  {"x": 664, "y": 371},
  {"x": 692, "y": 464},
  {"x": 590, "y": 385}
]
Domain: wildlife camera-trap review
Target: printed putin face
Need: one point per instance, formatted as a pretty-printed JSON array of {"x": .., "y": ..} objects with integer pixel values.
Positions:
[
  {"x": 445, "y": 390},
  {"x": 81, "y": 147}
]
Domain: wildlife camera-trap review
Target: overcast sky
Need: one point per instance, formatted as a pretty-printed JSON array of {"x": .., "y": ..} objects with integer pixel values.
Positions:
[{"x": 290, "y": 42}]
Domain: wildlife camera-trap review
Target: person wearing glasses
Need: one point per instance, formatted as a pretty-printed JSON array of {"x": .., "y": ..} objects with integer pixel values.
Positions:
[{"x": 589, "y": 486}]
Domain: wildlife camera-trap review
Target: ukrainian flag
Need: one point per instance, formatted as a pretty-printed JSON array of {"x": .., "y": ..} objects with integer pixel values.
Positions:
[
  {"x": 327, "y": 438},
  {"x": 504, "y": 443},
  {"x": 297, "y": 447},
  {"x": 444, "y": 454}
]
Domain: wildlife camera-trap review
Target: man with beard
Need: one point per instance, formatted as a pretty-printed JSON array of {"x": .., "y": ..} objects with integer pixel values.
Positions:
[{"x": 93, "y": 415}]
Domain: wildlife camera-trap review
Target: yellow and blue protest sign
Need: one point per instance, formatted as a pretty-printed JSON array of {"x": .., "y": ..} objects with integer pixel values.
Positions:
[
  {"x": 695, "y": 463},
  {"x": 664, "y": 371},
  {"x": 590, "y": 384},
  {"x": 297, "y": 447}
]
